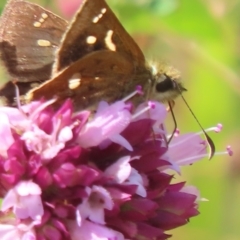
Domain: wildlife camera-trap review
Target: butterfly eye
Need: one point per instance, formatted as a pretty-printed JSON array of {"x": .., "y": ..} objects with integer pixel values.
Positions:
[{"x": 164, "y": 84}]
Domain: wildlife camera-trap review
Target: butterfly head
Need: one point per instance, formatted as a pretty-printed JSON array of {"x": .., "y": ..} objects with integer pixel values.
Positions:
[{"x": 165, "y": 82}]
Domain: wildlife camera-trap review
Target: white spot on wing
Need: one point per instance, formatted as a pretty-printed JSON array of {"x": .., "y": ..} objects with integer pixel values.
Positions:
[
  {"x": 108, "y": 41},
  {"x": 95, "y": 19},
  {"x": 99, "y": 16},
  {"x": 103, "y": 10},
  {"x": 44, "y": 15},
  {"x": 74, "y": 82},
  {"x": 43, "y": 43},
  {"x": 40, "y": 20},
  {"x": 91, "y": 39},
  {"x": 37, "y": 24}
]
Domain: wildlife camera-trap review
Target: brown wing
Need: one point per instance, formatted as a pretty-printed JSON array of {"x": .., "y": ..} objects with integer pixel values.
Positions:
[
  {"x": 29, "y": 36},
  {"x": 101, "y": 75},
  {"x": 94, "y": 28}
]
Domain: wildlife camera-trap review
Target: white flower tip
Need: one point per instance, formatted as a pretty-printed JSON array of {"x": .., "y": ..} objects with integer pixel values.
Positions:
[
  {"x": 176, "y": 132},
  {"x": 139, "y": 90},
  {"x": 229, "y": 150},
  {"x": 204, "y": 200},
  {"x": 218, "y": 128},
  {"x": 151, "y": 104}
]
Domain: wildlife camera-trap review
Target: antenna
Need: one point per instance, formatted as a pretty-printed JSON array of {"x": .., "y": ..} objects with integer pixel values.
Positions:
[{"x": 209, "y": 140}]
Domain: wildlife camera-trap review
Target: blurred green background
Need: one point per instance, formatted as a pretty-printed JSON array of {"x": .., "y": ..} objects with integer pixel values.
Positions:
[{"x": 202, "y": 39}]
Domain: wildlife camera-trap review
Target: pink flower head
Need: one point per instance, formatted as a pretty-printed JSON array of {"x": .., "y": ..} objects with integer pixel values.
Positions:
[{"x": 67, "y": 175}]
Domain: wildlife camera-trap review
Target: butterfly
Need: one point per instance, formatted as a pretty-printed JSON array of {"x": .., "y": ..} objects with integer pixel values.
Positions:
[{"x": 92, "y": 58}]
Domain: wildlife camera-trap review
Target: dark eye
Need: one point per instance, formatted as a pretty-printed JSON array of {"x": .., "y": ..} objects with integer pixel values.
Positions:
[{"x": 165, "y": 85}]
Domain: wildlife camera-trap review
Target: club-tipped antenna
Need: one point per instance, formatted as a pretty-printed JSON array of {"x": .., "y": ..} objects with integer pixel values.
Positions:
[{"x": 209, "y": 140}]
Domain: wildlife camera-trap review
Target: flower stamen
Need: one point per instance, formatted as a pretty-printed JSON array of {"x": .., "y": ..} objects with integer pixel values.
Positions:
[
  {"x": 137, "y": 91},
  {"x": 151, "y": 105}
]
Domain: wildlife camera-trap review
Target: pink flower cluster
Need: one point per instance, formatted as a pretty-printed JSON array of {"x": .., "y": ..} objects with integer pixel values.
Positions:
[{"x": 68, "y": 176}]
